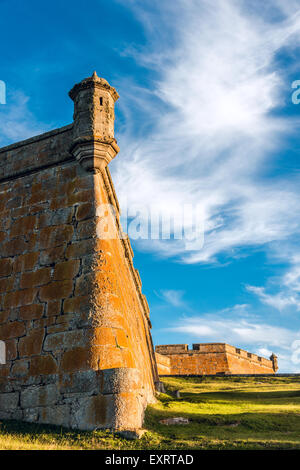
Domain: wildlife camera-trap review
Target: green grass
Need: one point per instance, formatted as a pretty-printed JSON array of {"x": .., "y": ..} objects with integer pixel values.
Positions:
[{"x": 224, "y": 413}]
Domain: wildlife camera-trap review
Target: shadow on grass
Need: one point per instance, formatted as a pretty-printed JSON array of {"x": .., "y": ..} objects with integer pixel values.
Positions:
[
  {"x": 23, "y": 429},
  {"x": 46, "y": 434},
  {"x": 232, "y": 395}
]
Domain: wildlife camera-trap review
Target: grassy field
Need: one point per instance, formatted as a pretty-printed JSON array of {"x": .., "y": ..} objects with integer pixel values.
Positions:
[{"x": 224, "y": 413}]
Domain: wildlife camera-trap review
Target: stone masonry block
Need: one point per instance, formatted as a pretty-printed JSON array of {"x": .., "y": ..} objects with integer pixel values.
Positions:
[
  {"x": 20, "y": 368},
  {"x": 44, "y": 395},
  {"x": 67, "y": 340},
  {"x": 93, "y": 412},
  {"x": 31, "y": 344},
  {"x": 56, "y": 290},
  {"x": 19, "y": 298},
  {"x": 53, "y": 255},
  {"x": 78, "y": 304},
  {"x": 35, "y": 278},
  {"x": 14, "y": 247},
  {"x": 66, "y": 270},
  {"x": 9, "y": 401},
  {"x": 6, "y": 284},
  {"x": 55, "y": 236},
  {"x": 43, "y": 365},
  {"x": 5, "y": 267},
  {"x": 77, "y": 359},
  {"x": 12, "y": 330},
  {"x": 31, "y": 415},
  {"x": 120, "y": 380},
  {"x": 23, "y": 225},
  {"x": 25, "y": 262},
  {"x": 86, "y": 381},
  {"x": 31, "y": 312},
  {"x": 60, "y": 415}
]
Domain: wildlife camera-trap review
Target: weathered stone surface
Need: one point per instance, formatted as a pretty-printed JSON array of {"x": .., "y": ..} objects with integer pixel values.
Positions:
[
  {"x": 43, "y": 365},
  {"x": 9, "y": 401},
  {"x": 31, "y": 344},
  {"x": 66, "y": 270},
  {"x": 61, "y": 216},
  {"x": 5, "y": 267},
  {"x": 19, "y": 298},
  {"x": 77, "y": 304},
  {"x": 44, "y": 395},
  {"x": 121, "y": 380},
  {"x": 35, "y": 278},
  {"x": 87, "y": 381},
  {"x": 58, "y": 415},
  {"x": 53, "y": 308},
  {"x": 76, "y": 359},
  {"x": 72, "y": 312},
  {"x": 31, "y": 312},
  {"x": 26, "y": 262},
  {"x": 6, "y": 284},
  {"x": 67, "y": 340},
  {"x": 4, "y": 315},
  {"x": 53, "y": 255},
  {"x": 12, "y": 330},
  {"x": 122, "y": 402},
  {"x": 23, "y": 225},
  {"x": 31, "y": 414},
  {"x": 55, "y": 236},
  {"x": 85, "y": 211},
  {"x": 56, "y": 290},
  {"x": 11, "y": 349},
  {"x": 13, "y": 247},
  {"x": 174, "y": 421},
  {"x": 93, "y": 412},
  {"x": 20, "y": 368}
]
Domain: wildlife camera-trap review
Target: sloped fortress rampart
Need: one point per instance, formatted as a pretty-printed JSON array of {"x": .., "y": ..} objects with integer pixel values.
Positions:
[
  {"x": 72, "y": 314},
  {"x": 211, "y": 359}
]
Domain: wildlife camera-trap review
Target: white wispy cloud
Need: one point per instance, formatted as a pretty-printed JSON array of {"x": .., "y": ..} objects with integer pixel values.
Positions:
[
  {"x": 282, "y": 291},
  {"x": 207, "y": 132},
  {"x": 279, "y": 300},
  {"x": 172, "y": 297},
  {"x": 264, "y": 352},
  {"x": 17, "y": 122}
]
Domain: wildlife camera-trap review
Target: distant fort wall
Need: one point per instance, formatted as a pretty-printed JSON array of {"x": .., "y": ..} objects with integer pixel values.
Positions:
[{"x": 211, "y": 359}]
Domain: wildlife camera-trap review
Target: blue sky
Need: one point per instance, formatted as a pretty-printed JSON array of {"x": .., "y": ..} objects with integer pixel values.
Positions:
[{"x": 205, "y": 117}]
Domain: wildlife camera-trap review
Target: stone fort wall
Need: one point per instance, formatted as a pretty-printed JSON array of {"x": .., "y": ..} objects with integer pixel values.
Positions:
[
  {"x": 210, "y": 359},
  {"x": 72, "y": 314}
]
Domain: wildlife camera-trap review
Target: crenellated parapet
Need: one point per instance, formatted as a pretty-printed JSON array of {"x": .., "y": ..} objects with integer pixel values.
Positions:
[{"x": 213, "y": 358}]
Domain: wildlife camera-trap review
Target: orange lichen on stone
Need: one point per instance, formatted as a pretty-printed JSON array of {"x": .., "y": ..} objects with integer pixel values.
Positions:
[{"x": 72, "y": 314}]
